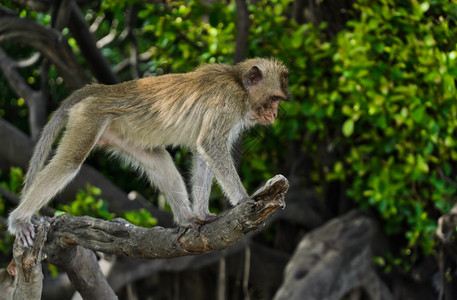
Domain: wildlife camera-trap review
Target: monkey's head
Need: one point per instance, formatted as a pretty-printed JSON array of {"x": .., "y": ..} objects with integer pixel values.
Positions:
[{"x": 267, "y": 83}]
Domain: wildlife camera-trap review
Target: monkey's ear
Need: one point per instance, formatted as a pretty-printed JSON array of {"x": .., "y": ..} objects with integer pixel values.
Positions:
[{"x": 252, "y": 77}]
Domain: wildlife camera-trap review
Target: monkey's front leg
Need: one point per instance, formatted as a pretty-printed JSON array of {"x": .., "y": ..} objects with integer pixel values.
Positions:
[
  {"x": 220, "y": 161},
  {"x": 201, "y": 187}
]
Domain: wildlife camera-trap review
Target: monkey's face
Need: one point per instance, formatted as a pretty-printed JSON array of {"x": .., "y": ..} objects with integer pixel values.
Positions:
[
  {"x": 267, "y": 111},
  {"x": 267, "y": 88}
]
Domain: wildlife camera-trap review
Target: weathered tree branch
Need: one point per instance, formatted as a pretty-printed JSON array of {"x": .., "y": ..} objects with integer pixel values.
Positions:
[
  {"x": 242, "y": 30},
  {"x": 39, "y": 5},
  {"x": 445, "y": 233},
  {"x": 68, "y": 235},
  {"x": 332, "y": 260},
  {"x": 35, "y": 99},
  {"x": 120, "y": 237},
  {"x": 29, "y": 278},
  {"x": 98, "y": 64},
  {"x": 61, "y": 14},
  {"x": 83, "y": 270},
  {"x": 49, "y": 42},
  {"x": 6, "y": 285}
]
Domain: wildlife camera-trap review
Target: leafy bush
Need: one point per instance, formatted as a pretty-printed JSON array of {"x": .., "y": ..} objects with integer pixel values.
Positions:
[
  {"x": 182, "y": 36},
  {"x": 396, "y": 68},
  {"x": 379, "y": 98}
]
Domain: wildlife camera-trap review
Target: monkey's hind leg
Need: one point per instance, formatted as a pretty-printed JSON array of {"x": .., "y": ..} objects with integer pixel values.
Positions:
[
  {"x": 158, "y": 166},
  {"x": 76, "y": 143}
]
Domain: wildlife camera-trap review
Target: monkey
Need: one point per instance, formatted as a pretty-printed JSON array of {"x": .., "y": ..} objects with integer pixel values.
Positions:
[{"x": 205, "y": 110}]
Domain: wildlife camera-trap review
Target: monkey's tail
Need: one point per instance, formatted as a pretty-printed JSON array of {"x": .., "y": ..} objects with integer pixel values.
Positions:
[{"x": 44, "y": 145}]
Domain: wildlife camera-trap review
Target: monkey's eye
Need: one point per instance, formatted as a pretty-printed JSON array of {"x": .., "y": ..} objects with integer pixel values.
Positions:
[{"x": 276, "y": 98}]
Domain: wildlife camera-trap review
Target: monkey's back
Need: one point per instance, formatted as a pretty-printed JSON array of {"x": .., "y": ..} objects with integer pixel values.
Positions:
[{"x": 171, "y": 109}]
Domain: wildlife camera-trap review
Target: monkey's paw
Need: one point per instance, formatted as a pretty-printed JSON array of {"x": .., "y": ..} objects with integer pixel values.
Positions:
[
  {"x": 209, "y": 217},
  {"x": 25, "y": 233}
]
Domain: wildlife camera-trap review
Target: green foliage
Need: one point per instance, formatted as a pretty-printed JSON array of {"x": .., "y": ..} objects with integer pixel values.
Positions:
[
  {"x": 6, "y": 241},
  {"x": 117, "y": 4},
  {"x": 12, "y": 183},
  {"x": 396, "y": 68},
  {"x": 14, "y": 180},
  {"x": 86, "y": 204},
  {"x": 380, "y": 99},
  {"x": 141, "y": 218},
  {"x": 180, "y": 36},
  {"x": 309, "y": 55}
]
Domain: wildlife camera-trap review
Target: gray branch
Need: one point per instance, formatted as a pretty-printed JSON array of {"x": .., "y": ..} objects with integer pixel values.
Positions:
[
  {"x": 97, "y": 63},
  {"x": 49, "y": 42},
  {"x": 35, "y": 99},
  {"x": 70, "y": 238},
  {"x": 242, "y": 30},
  {"x": 332, "y": 260},
  {"x": 120, "y": 237},
  {"x": 29, "y": 279}
]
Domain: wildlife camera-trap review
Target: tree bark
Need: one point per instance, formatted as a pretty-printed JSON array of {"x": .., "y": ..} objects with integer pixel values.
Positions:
[
  {"x": 49, "y": 42},
  {"x": 98, "y": 64},
  {"x": 66, "y": 237},
  {"x": 6, "y": 285},
  {"x": 28, "y": 282},
  {"x": 119, "y": 237},
  {"x": 445, "y": 233},
  {"x": 36, "y": 100},
  {"x": 332, "y": 260},
  {"x": 242, "y": 30},
  {"x": 83, "y": 270}
]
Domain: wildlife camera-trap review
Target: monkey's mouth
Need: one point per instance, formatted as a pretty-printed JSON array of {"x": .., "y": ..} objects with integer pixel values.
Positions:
[
  {"x": 262, "y": 116},
  {"x": 266, "y": 120}
]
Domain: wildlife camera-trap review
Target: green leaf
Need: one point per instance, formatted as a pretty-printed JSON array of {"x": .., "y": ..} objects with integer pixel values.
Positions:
[
  {"x": 418, "y": 114},
  {"x": 297, "y": 40},
  {"x": 422, "y": 164},
  {"x": 348, "y": 127}
]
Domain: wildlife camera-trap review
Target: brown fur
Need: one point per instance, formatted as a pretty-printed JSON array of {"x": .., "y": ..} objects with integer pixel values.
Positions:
[{"x": 204, "y": 110}]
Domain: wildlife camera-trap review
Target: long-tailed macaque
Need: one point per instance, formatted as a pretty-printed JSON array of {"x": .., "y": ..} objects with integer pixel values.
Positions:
[{"x": 204, "y": 110}]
